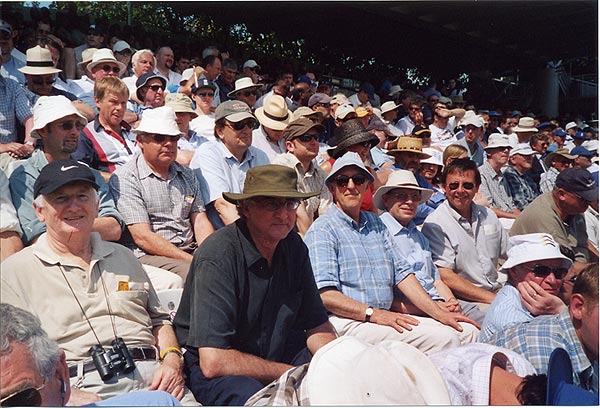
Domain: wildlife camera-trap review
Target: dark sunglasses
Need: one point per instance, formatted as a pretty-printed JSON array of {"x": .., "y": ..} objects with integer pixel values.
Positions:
[
  {"x": 404, "y": 197},
  {"x": 308, "y": 137},
  {"x": 248, "y": 93},
  {"x": 541, "y": 271},
  {"x": 342, "y": 181},
  {"x": 108, "y": 68},
  {"x": 42, "y": 81},
  {"x": 455, "y": 185},
  {"x": 251, "y": 123},
  {"x": 365, "y": 144},
  {"x": 156, "y": 88},
  {"x": 325, "y": 105},
  {"x": 414, "y": 109},
  {"x": 162, "y": 138},
  {"x": 274, "y": 205},
  {"x": 29, "y": 397},
  {"x": 69, "y": 124},
  {"x": 209, "y": 94}
]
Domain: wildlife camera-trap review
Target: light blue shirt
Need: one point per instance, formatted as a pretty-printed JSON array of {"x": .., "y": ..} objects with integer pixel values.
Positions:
[
  {"x": 192, "y": 143},
  {"x": 359, "y": 260},
  {"x": 414, "y": 248},
  {"x": 506, "y": 310}
]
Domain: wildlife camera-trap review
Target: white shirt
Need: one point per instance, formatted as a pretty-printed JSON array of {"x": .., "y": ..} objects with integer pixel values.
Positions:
[
  {"x": 173, "y": 78},
  {"x": 261, "y": 141},
  {"x": 204, "y": 125}
]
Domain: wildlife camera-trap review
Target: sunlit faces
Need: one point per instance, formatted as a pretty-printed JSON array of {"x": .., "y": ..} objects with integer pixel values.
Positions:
[
  {"x": 155, "y": 93},
  {"x": 402, "y": 204},
  {"x": 270, "y": 218},
  {"x": 248, "y": 96},
  {"x": 183, "y": 121},
  {"x": 349, "y": 194},
  {"x": 521, "y": 162},
  {"x": 144, "y": 64},
  {"x": 582, "y": 162},
  {"x": 499, "y": 155},
  {"x": 408, "y": 160},
  {"x": 62, "y": 135},
  {"x": 105, "y": 69},
  {"x": 472, "y": 133},
  {"x": 548, "y": 273},
  {"x": 69, "y": 210},
  {"x": 165, "y": 57},
  {"x": 203, "y": 98},
  {"x": 111, "y": 108},
  {"x": 460, "y": 188},
  {"x": 429, "y": 170},
  {"x": 237, "y": 139},
  {"x": 304, "y": 148},
  {"x": 159, "y": 150}
]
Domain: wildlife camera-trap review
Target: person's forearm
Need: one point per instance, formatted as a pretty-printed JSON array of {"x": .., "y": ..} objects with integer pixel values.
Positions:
[
  {"x": 202, "y": 227},
  {"x": 108, "y": 227},
  {"x": 227, "y": 211},
  {"x": 10, "y": 243},
  {"x": 165, "y": 339},
  {"x": 412, "y": 289},
  {"x": 220, "y": 362},
  {"x": 341, "y": 305},
  {"x": 153, "y": 244},
  {"x": 320, "y": 336},
  {"x": 443, "y": 290},
  {"x": 463, "y": 288},
  {"x": 505, "y": 214}
]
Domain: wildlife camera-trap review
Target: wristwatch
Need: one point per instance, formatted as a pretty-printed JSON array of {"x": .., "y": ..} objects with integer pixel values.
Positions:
[{"x": 368, "y": 314}]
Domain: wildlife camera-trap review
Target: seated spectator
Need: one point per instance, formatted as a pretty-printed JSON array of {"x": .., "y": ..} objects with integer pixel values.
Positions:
[
  {"x": 583, "y": 160},
  {"x": 399, "y": 199},
  {"x": 301, "y": 141},
  {"x": 160, "y": 200},
  {"x": 107, "y": 143},
  {"x": 252, "y": 281},
  {"x": 123, "y": 52},
  {"x": 40, "y": 75},
  {"x": 95, "y": 39},
  {"x": 246, "y": 91},
  {"x": 103, "y": 64},
  {"x": 493, "y": 184},
  {"x": 106, "y": 285},
  {"x": 444, "y": 123},
  {"x": 85, "y": 84},
  {"x": 523, "y": 131},
  {"x": 357, "y": 268},
  {"x": 165, "y": 59},
  {"x": 150, "y": 92},
  {"x": 142, "y": 62},
  {"x": 466, "y": 238},
  {"x": 412, "y": 119},
  {"x": 472, "y": 125},
  {"x": 11, "y": 60},
  {"x": 36, "y": 372},
  {"x": 535, "y": 269},
  {"x": 10, "y": 230},
  {"x": 189, "y": 141},
  {"x": 203, "y": 94},
  {"x": 575, "y": 329},
  {"x": 560, "y": 213},
  {"x": 556, "y": 162},
  {"x": 273, "y": 117},
  {"x": 320, "y": 102},
  {"x": 422, "y": 132},
  {"x": 363, "y": 97},
  {"x": 381, "y": 160},
  {"x": 226, "y": 80},
  {"x": 519, "y": 184},
  {"x": 539, "y": 143}
]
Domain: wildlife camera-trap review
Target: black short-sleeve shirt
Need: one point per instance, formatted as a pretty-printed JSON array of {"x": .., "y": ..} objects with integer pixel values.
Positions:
[{"x": 233, "y": 300}]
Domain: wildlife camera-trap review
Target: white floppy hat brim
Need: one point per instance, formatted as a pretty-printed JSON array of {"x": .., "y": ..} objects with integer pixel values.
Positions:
[
  {"x": 57, "y": 109},
  {"x": 520, "y": 129},
  {"x": 39, "y": 70},
  {"x": 235, "y": 91},
  {"x": 538, "y": 255}
]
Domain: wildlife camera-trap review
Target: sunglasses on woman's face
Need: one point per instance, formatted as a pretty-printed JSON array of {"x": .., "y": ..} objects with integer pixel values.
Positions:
[{"x": 357, "y": 179}]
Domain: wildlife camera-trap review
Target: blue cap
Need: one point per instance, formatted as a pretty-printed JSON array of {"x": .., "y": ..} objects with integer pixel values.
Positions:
[
  {"x": 305, "y": 79},
  {"x": 559, "y": 132},
  {"x": 560, "y": 389},
  {"x": 516, "y": 113},
  {"x": 580, "y": 134},
  {"x": 494, "y": 113},
  {"x": 581, "y": 151},
  {"x": 546, "y": 124},
  {"x": 368, "y": 88}
]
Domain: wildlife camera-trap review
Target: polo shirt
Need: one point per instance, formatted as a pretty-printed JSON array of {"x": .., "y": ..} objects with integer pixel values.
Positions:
[
  {"x": 143, "y": 197},
  {"x": 506, "y": 309},
  {"x": 493, "y": 188},
  {"x": 22, "y": 181},
  {"x": 470, "y": 249},
  {"x": 233, "y": 299},
  {"x": 542, "y": 216},
  {"x": 360, "y": 260},
  {"x": 115, "y": 290},
  {"x": 103, "y": 149},
  {"x": 191, "y": 143}
]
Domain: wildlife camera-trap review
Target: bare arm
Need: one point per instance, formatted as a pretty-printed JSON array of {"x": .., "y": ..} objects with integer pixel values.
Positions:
[
  {"x": 320, "y": 336},
  {"x": 153, "y": 244},
  {"x": 216, "y": 362},
  {"x": 184, "y": 157},
  {"x": 227, "y": 211},
  {"x": 341, "y": 305},
  {"x": 85, "y": 109},
  {"x": 303, "y": 221},
  {"x": 202, "y": 226},
  {"x": 108, "y": 227},
  {"x": 506, "y": 214},
  {"x": 463, "y": 288},
  {"x": 10, "y": 243},
  {"x": 167, "y": 377}
]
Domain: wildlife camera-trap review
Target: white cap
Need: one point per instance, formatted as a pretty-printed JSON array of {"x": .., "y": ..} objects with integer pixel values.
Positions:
[
  {"x": 498, "y": 140},
  {"x": 471, "y": 118},
  {"x": 523, "y": 149},
  {"x": 571, "y": 125},
  {"x": 47, "y": 109},
  {"x": 121, "y": 46},
  {"x": 533, "y": 247},
  {"x": 251, "y": 64},
  {"x": 436, "y": 156},
  {"x": 161, "y": 121},
  {"x": 394, "y": 90},
  {"x": 343, "y": 110}
]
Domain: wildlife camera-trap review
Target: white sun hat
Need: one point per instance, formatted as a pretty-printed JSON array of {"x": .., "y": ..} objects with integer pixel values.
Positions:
[
  {"x": 533, "y": 247},
  {"x": 274, "y": 113},
  {"x": 160, "y": 121},
  {"x": 39, "y": 62},
  {"x": 104, "y": 55},
  {"x": 400, "y": 179},
  {"x": 47, "y": 109}
]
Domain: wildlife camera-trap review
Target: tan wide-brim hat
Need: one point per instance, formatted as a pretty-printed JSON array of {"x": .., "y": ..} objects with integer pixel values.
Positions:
[
  {"x": 102, "y": 56},
  {"x": 407, "y": 144},
  {"x": 271, "y": 180},
  {"x": 526, "y": 124},
  {"x": 400, "y": 179},
  {"x": 39, "y": 62},
  {"x": 180, "y": 103},
  {"x": 274, "y": 113},
  {"x": 243, "y": 84},
  {"x": 560, "y": 152}
]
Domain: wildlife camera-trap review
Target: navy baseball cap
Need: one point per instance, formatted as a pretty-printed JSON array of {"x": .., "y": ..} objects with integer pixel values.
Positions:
[
  {"x": 581, "y": 151},
  {"x": 580, "y": 134},
  {"x": 60, "y": 173},
  {"x": 580, "y": 182}
]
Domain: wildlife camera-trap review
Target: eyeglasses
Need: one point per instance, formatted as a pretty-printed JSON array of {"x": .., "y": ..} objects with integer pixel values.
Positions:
[
  {"x": 325, "y": 105},
  {"x": 109, "y": 68},
  {"x": 251, "y": 123},
  {"x": 273, "y": 205},
  {"x": 69, "y": 124},
  {"x": 156, "y": 88},
  {"x": 455, "y": 185},
  {"x": 29, "y": 397},
  {"x": 163, "y": 138},
  {"x": 414, "y": 109},
  {"x": 42, "y": 81},
  {"x": 541, "y": 271},
  {"x": 209, "y": 94},
  {"x": 248, "y": 93},
  {"x": 4, "y": 36},
  {"x": 342, "y": 181},
  {"x": 308, "y": 137},
  {"x": 404, "y": 197}
]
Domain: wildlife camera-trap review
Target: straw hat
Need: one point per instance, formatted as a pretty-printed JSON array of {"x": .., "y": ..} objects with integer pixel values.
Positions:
[
  {"x": 242, "y": 84},
  {"x": 180, "y": 103},
  {"x": 388, "y": 107},
  {"x": 104, "y": 55},
  {"x": 400, "y": 179},
  {"x": 407, "y": 144},
  {"x": 39, "y": 62},
  {"x": 306, "y": 112},
  {"x": 526, "y": 124},
  {"x": 274, "y": 113}
]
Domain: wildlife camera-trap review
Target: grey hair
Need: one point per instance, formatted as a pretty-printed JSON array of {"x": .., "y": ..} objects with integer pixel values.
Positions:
[
  {"x": 135, "y": 58},
  {"x": 40, "y": 201},
  {"x": 210, "y": 50},
  {"x": 20, "y": 326}
]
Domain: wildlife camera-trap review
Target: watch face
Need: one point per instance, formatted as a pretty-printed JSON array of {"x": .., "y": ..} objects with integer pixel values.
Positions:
[{"x": 369, "y": 311}]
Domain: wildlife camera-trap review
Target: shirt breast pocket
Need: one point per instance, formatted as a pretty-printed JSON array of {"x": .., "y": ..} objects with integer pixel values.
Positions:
[{"x": 492, "y": 239}]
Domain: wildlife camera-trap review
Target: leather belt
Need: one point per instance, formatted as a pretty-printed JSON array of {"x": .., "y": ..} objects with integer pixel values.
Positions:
[{"x": 137, "y": 353}]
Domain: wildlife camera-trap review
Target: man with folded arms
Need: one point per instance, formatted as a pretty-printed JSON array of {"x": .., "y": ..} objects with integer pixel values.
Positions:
[
  {"x": 250, "y": 308},
  {"x": 535, "y": 269},
  {"x": 358, "y": 268},
  {"x": 104, "y": 293},
  {"x": 160, "y": 199}
]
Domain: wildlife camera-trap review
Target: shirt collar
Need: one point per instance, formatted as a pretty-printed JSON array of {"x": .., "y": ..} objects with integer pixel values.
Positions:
[
  {"x": 42, "y": 250},
  {"x": 145, "y": 171},
  {"x": 98, "y": 126}
]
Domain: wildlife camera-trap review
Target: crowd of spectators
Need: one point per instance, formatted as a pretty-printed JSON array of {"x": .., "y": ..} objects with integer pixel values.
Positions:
[{"x": 285, "y": 215}]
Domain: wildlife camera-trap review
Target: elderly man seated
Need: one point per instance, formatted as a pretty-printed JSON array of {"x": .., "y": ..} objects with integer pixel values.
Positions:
[
  {"x": 535, "y": 269},
  {"x": 250, "y": 308},
  {"x": 108, "y": 309},
  {"x": 358, "y": 268}
]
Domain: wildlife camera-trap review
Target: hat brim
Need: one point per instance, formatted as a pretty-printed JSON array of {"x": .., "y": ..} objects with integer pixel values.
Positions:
[
  {"x": 139, "y": 88},
  {"x": 92, "y": 65},
  {"x": 423, "y": 154},
  {"x": 383, "y": 190},
  {"x": 58, "y": 184},
  {"x": 552, "y": 156},
  {"x": 231, "y": 94},
  {"x": 352, "y": 140},
  {"x": 39, "y": 70},
  {"x": 520, "y": 129},
  {"x": 239, "y": 116},
  {"x": 589, "y": 195},
  {"x": 34, "y": 132},
  {"x": 272, "y": 123},
  {"x": 234, "y": 198},
  {"x": 535, "y": 256},
  {"x": 497, "y": 146}
]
